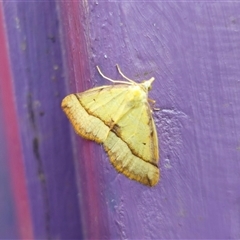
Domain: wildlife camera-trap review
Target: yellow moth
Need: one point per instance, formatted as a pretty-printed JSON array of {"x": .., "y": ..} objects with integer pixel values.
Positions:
[{"x": 119, "y": 117}]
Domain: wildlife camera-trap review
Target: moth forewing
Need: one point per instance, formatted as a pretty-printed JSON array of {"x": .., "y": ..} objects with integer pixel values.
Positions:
[{"x": 119, "y": 117}]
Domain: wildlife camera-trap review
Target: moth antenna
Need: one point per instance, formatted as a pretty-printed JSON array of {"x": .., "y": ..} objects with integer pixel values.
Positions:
[
  {"x": 111, "y": 80},
  {"x": 120, "y": 72}
]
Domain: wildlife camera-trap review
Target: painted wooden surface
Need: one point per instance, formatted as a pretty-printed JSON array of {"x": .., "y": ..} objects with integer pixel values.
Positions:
[{"x": 192, "y": 49}]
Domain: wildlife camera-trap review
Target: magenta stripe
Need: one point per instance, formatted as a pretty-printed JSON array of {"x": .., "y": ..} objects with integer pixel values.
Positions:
[{"x": 94, "y": 222}]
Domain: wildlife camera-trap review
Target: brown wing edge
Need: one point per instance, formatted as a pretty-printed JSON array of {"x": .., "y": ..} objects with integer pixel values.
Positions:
[{"x": 154, "y": 140}]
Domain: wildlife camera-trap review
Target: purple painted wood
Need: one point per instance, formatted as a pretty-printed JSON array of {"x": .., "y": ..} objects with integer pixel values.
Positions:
[
  {"x": 36, "y": 59},
  {"x": 193, "y": 51},
  {"x": 14, "y": 211}
]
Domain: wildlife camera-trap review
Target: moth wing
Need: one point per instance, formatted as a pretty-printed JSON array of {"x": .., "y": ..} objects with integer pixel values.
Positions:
[
  {"x": 108, "y": 103},
  {"x": 138, "y": 130},
  {"x": 93, "y": 112},
  {"x": 132, "y": 121},
  {"x": 132, "y": 146},
  {"x": 110, "y": 115}
]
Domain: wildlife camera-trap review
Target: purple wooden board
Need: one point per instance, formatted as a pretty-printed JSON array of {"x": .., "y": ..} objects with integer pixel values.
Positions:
[
  {"x": 193, "y": 51},
  {"x": 35, "y": 51}
]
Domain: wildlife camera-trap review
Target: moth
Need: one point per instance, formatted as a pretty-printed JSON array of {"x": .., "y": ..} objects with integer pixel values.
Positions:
[{"x": 119, "y": 117}]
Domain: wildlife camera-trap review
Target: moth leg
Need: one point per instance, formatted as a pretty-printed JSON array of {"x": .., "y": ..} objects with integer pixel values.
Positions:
[
  {"x": 152, "y": 104},
  {"x": 152, "y": 101}
]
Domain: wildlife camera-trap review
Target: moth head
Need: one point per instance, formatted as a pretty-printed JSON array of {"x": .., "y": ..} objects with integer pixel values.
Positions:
[{"x": 147, "y": 84}]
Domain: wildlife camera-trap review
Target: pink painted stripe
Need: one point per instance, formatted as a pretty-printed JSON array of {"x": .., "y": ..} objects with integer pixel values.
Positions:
[
  {"x": 72, "y": 17},
  {"x": 15, "y": 155}
]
